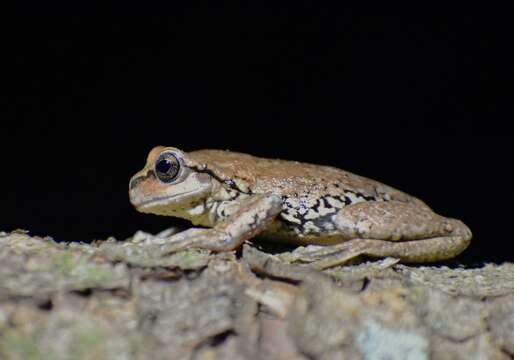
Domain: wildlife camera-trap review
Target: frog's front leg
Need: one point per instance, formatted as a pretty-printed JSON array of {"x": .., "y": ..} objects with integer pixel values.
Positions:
[
  {"x": 253, "y": 216},
  {"x": 406, "y": 231}
]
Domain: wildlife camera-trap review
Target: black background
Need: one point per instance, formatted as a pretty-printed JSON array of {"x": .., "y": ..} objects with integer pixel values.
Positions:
[{"x": 420, "y": 100}]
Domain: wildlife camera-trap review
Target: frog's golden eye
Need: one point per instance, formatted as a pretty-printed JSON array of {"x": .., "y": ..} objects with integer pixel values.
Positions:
[{"x": 167, "y": 167}]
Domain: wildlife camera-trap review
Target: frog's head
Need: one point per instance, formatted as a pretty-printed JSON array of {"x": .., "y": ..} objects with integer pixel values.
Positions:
[{"x": 168, "y": 185}]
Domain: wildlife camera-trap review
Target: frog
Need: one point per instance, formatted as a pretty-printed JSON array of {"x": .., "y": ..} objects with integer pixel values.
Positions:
[{"x": 231, "y": 197}]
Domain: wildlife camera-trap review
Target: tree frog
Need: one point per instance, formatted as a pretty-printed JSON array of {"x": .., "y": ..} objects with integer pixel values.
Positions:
[{"x": 235, "y": 196}]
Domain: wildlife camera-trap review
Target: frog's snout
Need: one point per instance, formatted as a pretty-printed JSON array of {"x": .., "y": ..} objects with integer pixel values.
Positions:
[
  {"x": 137, "y": 185},
  {"x": 458, "y": 228}
]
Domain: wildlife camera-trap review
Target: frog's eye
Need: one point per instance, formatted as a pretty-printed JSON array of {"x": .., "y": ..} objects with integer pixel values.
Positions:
[{"x": 167, "y": 167}]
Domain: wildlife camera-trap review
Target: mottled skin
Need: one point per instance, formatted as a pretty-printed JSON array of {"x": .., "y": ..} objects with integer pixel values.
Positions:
[{"x": 238, "y": 196}]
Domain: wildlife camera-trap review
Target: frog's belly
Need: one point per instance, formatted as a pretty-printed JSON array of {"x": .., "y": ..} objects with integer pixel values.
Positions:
[{"x": 290, "y": 234}]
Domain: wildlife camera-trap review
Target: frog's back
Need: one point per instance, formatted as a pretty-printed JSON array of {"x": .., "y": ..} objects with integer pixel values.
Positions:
[{"x": 292, "y": 178}]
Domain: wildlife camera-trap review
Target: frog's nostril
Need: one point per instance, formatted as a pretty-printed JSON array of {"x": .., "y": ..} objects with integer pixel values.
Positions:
[{"x": 134, "y": 182}]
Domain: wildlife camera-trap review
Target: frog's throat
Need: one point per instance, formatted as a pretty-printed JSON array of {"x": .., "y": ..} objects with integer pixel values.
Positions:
[{"x": 162, "y": 200}]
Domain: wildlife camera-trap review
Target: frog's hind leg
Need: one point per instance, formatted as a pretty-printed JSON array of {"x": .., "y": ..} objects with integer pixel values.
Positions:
[
  {"x": 402, "y": 230},
  {"x": 426, "y": 250}
]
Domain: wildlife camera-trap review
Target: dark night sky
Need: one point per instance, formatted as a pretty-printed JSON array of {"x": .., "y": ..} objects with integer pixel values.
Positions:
[{"x": 421, "y": 100}]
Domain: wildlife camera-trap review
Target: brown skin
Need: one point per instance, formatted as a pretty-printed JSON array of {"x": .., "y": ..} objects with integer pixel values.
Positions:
[{"x": 240, "y": 196}]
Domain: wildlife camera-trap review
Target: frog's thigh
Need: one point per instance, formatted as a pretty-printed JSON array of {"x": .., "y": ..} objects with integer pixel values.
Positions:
[
  {"x": 396, "y": 229},
  {"x": 395, "y": 221}
]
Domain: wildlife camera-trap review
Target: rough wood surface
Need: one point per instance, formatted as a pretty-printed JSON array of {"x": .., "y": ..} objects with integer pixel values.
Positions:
[{"x": 127, "y": 300}]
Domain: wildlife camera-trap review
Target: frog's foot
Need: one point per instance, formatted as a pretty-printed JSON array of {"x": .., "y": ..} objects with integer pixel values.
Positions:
[{"x": 421, "y": 250}]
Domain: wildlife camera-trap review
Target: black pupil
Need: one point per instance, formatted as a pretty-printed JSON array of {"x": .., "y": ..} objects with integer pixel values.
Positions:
[{"x": 163, "y": 166}]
